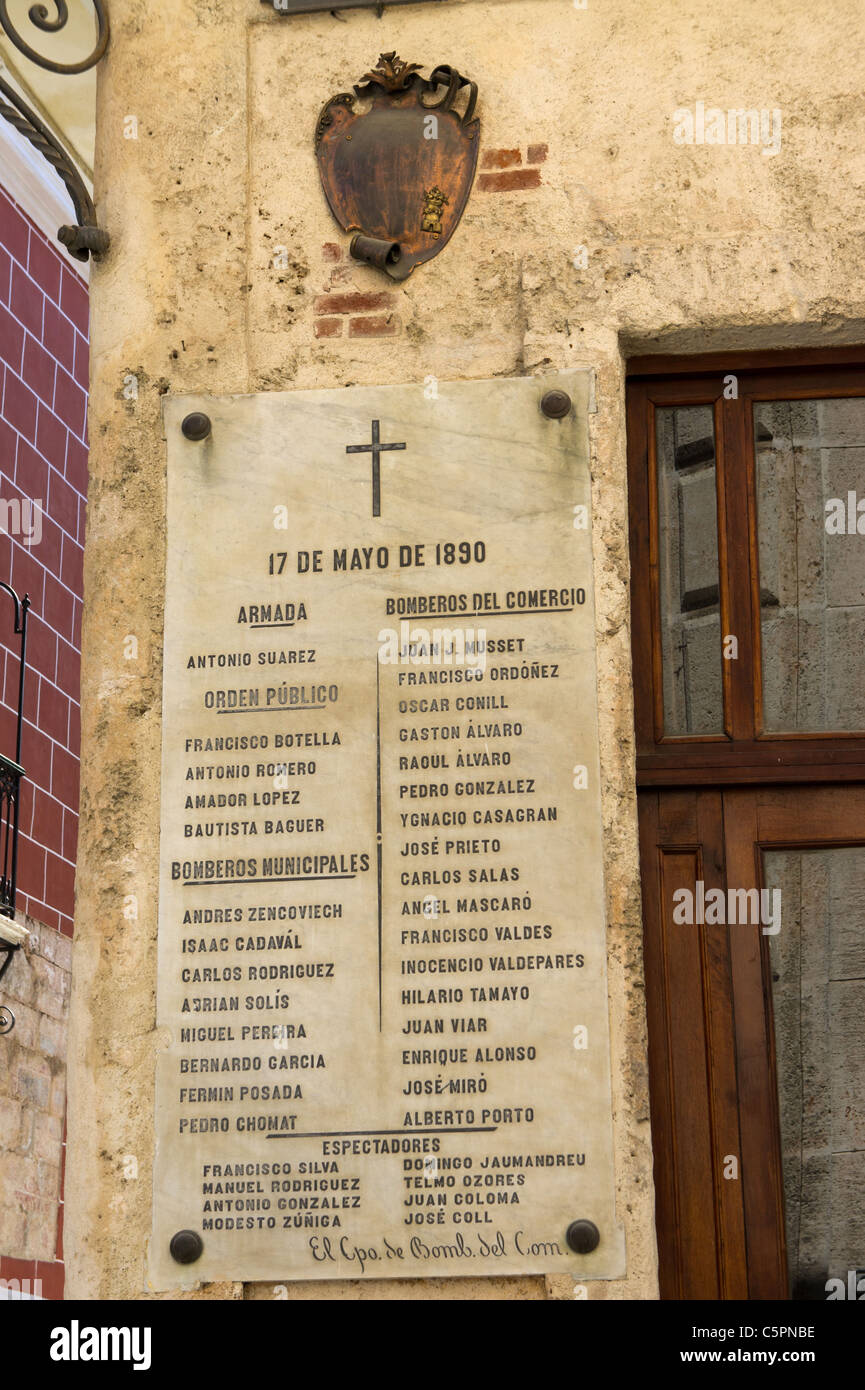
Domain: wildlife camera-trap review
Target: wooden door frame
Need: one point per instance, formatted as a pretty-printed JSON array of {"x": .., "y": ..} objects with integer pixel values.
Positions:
[
  {"x": 744, "y": 753},
  {"x": 725, "y": 799},
  {"x": 700, "y": 1216},
  {"x": 730, "y": 1243},
  {"x": 798, "y": 818}
]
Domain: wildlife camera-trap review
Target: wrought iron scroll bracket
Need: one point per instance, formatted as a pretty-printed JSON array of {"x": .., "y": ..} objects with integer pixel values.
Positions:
[
  {"x": 11, "y": 774},
  {"x": 294, "y": 7},
  {"x": 86, "y": 238}
]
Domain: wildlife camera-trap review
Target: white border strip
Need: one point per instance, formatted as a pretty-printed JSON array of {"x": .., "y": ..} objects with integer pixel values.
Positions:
[{"x": 27, "y": 177}]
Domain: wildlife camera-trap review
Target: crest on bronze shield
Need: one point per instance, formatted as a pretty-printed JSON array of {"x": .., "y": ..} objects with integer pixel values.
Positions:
[{"x": 393, "y": 176}]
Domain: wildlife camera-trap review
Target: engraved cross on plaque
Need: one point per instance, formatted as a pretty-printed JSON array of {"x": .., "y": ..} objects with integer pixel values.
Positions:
[{"x": 375, "y": 448}]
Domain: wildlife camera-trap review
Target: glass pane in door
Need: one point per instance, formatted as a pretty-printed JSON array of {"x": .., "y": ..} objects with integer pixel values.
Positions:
[
  {"x": 688, "y": 570},
  {"x": 818, "y": 990},
  {"x": 811, "y": 524}
]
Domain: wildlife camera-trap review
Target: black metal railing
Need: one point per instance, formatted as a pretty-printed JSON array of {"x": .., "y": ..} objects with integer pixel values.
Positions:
[
  {"x": 11, "y": 774},
  {"x": 10, "y": 782}
]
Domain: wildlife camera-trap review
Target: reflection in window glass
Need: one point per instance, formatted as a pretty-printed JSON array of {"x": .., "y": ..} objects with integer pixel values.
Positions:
[
  {"x": 810, "y": 480},
  {"x": 688, "y": 556},
  {"x": 818, "y": 991}
]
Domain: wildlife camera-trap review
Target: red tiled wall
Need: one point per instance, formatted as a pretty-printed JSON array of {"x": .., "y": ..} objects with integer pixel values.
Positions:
[{"x": 43, "y": 457}]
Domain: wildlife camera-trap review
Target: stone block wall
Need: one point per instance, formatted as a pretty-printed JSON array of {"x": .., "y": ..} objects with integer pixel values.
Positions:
[
  {"x": 32, "y": 1109},
  {"x": 812, "y": 575},
  {"x": 818, "y": 974}
]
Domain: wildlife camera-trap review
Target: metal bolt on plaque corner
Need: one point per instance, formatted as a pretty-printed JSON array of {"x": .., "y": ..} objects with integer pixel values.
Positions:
[
  {"x": 583, "y": 1237},
  {"x": 186, "y": 1247},
  {"x": 196, "y": 426},
  {"x": 555, "y": 404}
]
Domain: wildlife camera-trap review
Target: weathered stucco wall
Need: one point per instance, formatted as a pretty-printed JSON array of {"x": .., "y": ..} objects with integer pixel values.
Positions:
[
  {"x": 33, "y": 1094},
  {"x": 222, "y": 277}
]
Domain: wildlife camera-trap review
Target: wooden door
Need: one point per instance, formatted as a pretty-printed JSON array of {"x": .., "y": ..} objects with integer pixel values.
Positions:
[{"x": 747, "y": 765}]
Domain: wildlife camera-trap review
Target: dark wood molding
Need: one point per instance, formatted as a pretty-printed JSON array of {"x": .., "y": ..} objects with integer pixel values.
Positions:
[{"x": 792, "y": 359}]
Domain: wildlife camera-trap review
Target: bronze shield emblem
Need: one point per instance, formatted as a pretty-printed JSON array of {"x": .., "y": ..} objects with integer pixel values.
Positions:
[{"x": 399, "y": 174}]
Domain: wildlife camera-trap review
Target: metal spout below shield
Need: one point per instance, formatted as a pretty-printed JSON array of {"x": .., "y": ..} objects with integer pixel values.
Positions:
[{"x": 374, "y": 251}]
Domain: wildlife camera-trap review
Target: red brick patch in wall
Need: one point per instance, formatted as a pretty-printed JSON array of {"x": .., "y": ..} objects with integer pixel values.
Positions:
[
  {"x": 356, "y": 308},
  {"x": 43, "y": 485},
  {"x": 512, "y": 174},
  {"x": 500, "y": 159},
  {"x": 378, "y": 326}
]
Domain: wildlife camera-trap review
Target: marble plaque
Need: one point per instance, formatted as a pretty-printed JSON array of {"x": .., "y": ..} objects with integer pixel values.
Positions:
[{"x": 382, "y": 993}]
